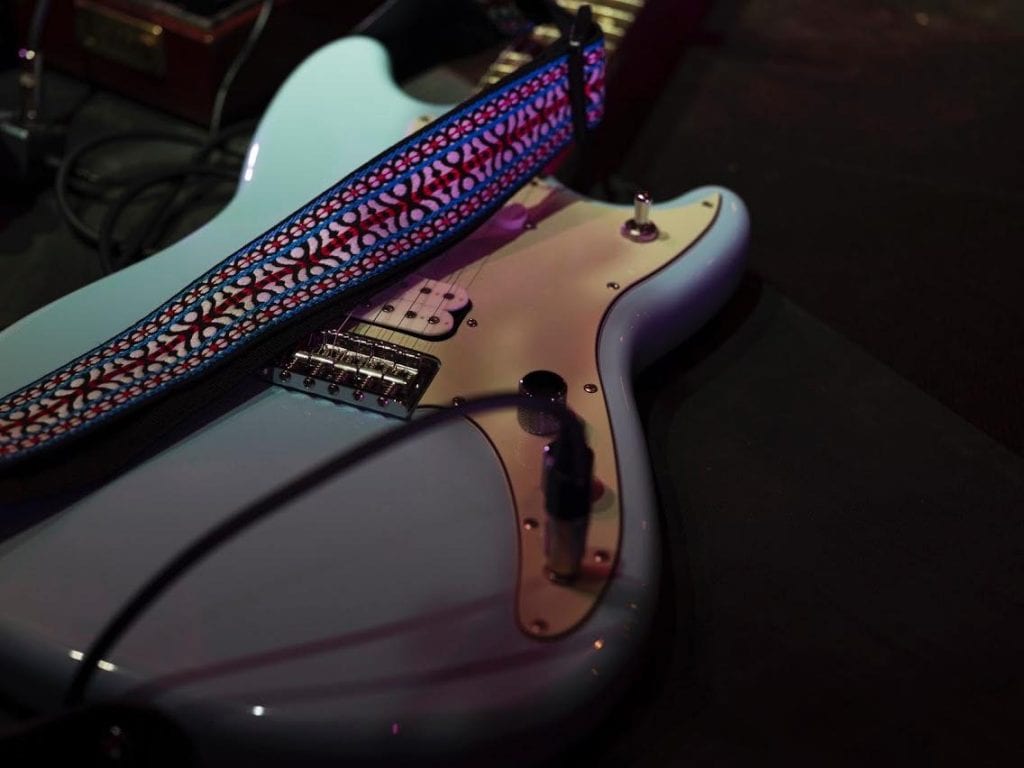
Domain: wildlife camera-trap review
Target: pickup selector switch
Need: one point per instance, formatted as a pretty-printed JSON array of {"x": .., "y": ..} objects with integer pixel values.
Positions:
[
  {"x": 640, "y": 228},
  {"x": 546, "y": 387}
]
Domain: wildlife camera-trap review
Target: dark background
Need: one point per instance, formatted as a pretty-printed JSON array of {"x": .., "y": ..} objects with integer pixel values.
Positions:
[{"x": 838, "y": 454}]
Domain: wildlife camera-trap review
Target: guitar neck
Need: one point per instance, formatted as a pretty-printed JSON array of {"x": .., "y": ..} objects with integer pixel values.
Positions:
[{"x": 615, "y": 18}]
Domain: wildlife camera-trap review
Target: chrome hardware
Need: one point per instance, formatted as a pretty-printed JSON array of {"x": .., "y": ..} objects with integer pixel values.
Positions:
[
  {"x": 564, "y": 543},
  {"x": 640, "y": 228},
  {"x": 353, "y": 366},
  {"x": 566, "y": 479},
  {"x": 590, "y": 388}
]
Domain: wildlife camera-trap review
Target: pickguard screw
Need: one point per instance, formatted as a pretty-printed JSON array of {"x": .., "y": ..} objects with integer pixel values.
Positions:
[
  {"x": 425, "y": 289},
  {"x": 357, "y": 394},
  {"x": 332, "y": 388},
  {"x": 284, "y": 375},
  {"x": 458, "y": 401},
  {"x": 472, "y": 323},
  {"x": 538, "y": 626},
  {"x": 308, "y": 382},
  {"x": 529, "y": 225},
  {"x": 433, "y": 319},
  {"x": 601, "y": 556},
  {"x": 613, "y": 286},
  {"x": 410, "y": 314},
  {"x": 530, "y": 524},
  {"x": 590, "y": 388},
  {"x": 388, "y": 308}
]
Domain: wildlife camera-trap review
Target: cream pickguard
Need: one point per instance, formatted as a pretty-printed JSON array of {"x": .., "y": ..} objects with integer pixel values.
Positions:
[{"x": 540, "y": 280}]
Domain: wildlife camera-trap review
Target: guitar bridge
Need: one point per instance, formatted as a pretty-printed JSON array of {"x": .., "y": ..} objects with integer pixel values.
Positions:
[{"x": 358, "y": 370}]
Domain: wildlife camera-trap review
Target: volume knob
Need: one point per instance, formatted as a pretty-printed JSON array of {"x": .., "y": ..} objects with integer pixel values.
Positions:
[{"x": 545, "y": 387}]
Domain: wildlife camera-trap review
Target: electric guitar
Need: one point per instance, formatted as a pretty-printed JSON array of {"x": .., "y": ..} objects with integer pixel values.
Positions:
[{"x": 401, "y": 610}]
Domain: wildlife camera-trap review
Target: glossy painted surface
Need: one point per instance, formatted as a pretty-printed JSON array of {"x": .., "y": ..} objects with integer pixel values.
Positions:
[{"x": 375, "y": 617}]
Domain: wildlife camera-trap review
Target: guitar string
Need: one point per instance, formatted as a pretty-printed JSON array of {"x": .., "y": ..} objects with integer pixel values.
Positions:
[
  {"x": 423, "y": 344},
  {"x": 375, "y": 328},
  {"x": 420, "y": 342},
  {"x": 386, "y": 332}
]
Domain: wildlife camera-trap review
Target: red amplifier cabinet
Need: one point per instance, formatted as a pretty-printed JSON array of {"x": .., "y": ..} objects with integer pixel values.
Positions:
[{"x": 162, "y": 54}]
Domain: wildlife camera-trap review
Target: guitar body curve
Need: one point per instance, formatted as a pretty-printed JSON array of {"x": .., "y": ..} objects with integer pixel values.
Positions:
[{"x": 381, "y": 616}]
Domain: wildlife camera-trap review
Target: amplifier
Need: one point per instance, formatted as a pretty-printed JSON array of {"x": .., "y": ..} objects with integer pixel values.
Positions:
[{"x": 173, "y": 55}]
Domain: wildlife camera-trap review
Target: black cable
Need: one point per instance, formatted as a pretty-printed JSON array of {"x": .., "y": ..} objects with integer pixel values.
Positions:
[
  {"x": 189, "y": 194},
  {"x": 108, "y": 250},
  {"x": 215, "y": 136},
  {"x": 79, "y": 227},
  {"x": 164, "y": 210},
  {"x": 571, "y": 437},
  {"x": 236, "y": 65}
]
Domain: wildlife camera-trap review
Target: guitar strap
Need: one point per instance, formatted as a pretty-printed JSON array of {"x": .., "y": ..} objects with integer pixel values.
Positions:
[{"x": 409, "y": 203}]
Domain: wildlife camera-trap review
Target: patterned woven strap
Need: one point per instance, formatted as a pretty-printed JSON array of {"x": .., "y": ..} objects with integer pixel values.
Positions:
[{"x": 410, "y": 202}]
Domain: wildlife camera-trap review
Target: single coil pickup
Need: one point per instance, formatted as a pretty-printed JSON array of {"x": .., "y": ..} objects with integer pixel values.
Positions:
[{"x": 358, "y": 370}]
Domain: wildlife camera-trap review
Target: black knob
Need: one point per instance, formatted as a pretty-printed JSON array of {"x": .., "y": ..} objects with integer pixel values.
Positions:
[{"x": 546, "y": 387}]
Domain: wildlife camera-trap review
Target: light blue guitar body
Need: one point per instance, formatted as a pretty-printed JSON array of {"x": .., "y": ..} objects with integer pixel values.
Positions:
[{"x": 376, "y": 617}]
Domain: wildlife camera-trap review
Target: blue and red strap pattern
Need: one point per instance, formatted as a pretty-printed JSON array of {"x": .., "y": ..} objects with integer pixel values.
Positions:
[{"x": 420, "y": 195}]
